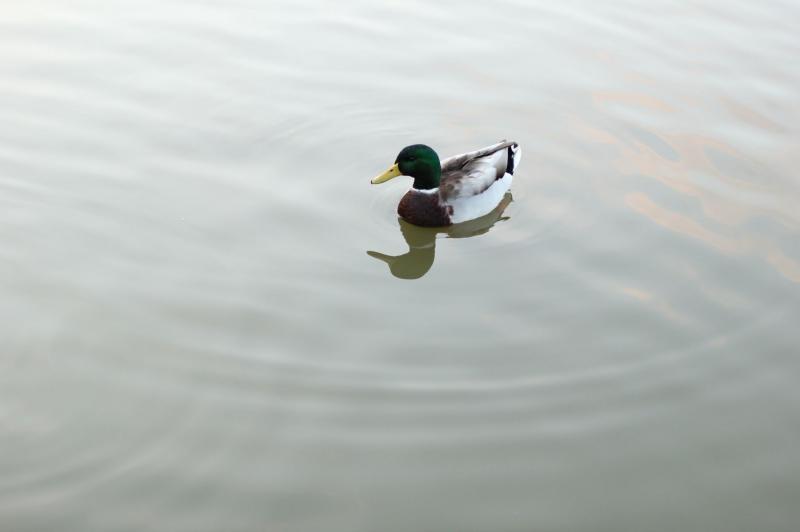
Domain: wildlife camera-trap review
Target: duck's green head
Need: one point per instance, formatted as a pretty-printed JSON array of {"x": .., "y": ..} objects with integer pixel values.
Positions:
[{"x": 417, "y": 161}]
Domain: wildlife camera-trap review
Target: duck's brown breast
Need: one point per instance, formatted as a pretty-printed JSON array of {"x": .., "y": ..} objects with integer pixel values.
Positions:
[{"x": 425, "y": 209}]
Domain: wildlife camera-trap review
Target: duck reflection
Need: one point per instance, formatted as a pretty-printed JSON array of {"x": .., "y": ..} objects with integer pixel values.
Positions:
[{"x": 422, "y": 241}]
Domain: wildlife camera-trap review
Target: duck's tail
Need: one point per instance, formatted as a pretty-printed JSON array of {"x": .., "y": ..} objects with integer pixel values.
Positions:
[{"x": 514, "y": 157}]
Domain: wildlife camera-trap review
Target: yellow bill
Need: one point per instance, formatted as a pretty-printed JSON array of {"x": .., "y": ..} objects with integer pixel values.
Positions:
[{"x": 391, "y": 173}]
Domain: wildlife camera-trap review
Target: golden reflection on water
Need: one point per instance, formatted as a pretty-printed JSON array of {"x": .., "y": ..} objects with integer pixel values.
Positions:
[
  {"x": 787, "y": 267},
  {"x": 421, "y": 241},
  {"x": 725, "y": 183},
  {"x": 633, "y": 99},
  {"x": 658, "y": 304},
  {"x": 680, "y": 223}
]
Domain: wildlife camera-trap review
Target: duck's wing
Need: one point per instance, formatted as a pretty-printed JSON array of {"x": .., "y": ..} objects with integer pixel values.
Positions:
[{"x": 471, "y": 173}]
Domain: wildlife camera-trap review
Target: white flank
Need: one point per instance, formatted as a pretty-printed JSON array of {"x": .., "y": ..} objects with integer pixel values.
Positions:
[
  {"x": 472, "y": 207},
  {"x": 476, "y": 206}
]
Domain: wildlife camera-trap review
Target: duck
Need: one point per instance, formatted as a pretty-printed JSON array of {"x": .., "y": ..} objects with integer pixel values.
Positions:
[{"x": 454, "y": 190}]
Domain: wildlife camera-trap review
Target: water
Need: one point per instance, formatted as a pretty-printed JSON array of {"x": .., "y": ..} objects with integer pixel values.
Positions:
[{"x": 195, "y": 337}]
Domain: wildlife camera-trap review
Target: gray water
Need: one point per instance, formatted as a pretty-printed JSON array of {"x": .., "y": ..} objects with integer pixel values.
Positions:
[{"x": 195, "y": 337}]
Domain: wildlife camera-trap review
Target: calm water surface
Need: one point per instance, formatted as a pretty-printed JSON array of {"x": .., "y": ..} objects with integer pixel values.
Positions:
[{"x": 195, "y": 337}]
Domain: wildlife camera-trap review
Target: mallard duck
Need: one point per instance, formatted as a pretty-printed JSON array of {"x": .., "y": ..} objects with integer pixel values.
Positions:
[{"x": 457, "y": 189}]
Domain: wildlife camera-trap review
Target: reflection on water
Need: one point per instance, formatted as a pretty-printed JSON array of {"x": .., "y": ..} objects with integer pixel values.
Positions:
[{"x": 422, "y": 241}]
